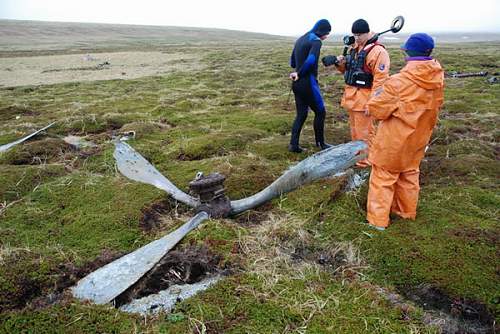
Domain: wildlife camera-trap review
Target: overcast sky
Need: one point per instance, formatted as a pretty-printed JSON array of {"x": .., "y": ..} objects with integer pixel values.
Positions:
[{"x": 278, "y": 17}]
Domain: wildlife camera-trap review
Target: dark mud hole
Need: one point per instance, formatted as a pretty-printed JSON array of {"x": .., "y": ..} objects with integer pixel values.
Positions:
[
  {"x": 460, "y": 315},
  {"x": 184, "y": 266}
]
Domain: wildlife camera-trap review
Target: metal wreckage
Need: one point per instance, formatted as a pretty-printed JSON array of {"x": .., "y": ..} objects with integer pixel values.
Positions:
[{"x": 208, "y": 200}]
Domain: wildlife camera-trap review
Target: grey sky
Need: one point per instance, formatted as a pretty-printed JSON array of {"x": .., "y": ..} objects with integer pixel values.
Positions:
[{"x": 289, "y": 17}]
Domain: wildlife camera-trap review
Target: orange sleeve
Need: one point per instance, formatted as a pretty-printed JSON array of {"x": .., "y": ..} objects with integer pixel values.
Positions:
[
  {"x": 385, "y": 100},
  {"x": 378, "y": 61},
  {"x": 340, "y": 68}
]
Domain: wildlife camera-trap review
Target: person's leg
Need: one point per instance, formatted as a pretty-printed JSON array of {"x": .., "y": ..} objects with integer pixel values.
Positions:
[
  {"x": 406, "y": 194},
  {"x": 317, "y": 105},
  {"x": 361, "y": 128},
  {"x": 380, "y": 196},
  {"x": 300, "y": 118}
]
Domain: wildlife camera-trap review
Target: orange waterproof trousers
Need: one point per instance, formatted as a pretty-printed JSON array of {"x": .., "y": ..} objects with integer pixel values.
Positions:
[
  {"x": 361, "y": 129},
  {"x": 395, "y": 192},
  {"x": 361, "y": 125}
]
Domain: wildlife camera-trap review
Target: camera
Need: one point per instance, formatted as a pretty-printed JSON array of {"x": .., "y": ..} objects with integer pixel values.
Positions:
[{"x": 330, "y": 60}]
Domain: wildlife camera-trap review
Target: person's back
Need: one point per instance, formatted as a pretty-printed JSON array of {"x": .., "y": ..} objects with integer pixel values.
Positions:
[
  {"x": 417, "y": 93},
  {"x": 307, "y": 44}
]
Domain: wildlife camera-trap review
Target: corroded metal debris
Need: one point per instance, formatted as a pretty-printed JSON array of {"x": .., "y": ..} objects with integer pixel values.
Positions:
[
  {"x": 165, "y": 300},
  {"x": 210, "y": 191},
  {"x": 6, "y": 147},
  {"x": 135, "y": 167},
  {"x": 105, "y": 284}
]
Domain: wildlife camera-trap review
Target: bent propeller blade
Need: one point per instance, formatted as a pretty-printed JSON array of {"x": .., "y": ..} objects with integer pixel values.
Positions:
[
  {"x": 5, "y": 147},
  {"x": 135, "y": 167},
  {"x": 322, "y": 164},
  {"x": 108, "y": 282}
]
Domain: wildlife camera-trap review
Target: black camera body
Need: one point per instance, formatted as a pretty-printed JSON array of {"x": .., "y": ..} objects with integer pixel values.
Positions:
[
  {"x": 358, "y": 78},
  {"x": 330, "y": 60}
]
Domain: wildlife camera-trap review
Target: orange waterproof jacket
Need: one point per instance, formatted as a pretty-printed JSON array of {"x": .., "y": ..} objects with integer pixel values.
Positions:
[
  {"x": 378, "y": 62},
  {"x": 407, "y": 105}
]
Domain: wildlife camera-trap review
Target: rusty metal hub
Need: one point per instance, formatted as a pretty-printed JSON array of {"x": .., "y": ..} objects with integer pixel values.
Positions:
[{"x": 210, "y": 191}]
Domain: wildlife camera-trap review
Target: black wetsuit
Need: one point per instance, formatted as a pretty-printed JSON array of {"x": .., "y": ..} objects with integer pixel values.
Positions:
[{"x": 304, "y": 59}]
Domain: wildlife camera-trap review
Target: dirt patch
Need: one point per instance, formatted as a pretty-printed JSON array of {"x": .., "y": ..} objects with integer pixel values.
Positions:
[
  {"x": 491, "y": 238},
  {"x": 69, "y": 275},
  {"x": 184, "y": 266},
  {"x": 34, "y": 290},
  {"x": 11, "y": 112},
  {"x": 457, "y": 315},
  {"x": 154, "y": 214},
  {"x": 255, "y": 216},
  {"x": 341, "y": 260}
]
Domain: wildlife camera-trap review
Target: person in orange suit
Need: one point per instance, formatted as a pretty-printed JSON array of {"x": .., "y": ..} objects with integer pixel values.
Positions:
[
  {"x": 368, "y": 57},
  {"x": 407, "y": 106}
]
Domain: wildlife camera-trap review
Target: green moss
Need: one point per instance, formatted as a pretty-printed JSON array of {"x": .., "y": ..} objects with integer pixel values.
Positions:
[
  {"x": 39, "y": 152},
  {"x": 18, "y": 181}
]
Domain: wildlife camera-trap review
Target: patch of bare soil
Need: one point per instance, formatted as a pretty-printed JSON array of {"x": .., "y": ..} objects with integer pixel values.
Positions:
[
  {"x": 489, "y": 237},
  {"x": 451, "y": 315},
  {"x": 255, "y": 216},
  {"x": 35, "y": 292},
  {"x": 154, "y": 214},
  {"x": 184, "y": 266}
]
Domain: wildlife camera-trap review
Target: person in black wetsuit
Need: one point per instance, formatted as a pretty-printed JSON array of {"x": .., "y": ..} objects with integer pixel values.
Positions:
[{"x": 304, "y": 60}]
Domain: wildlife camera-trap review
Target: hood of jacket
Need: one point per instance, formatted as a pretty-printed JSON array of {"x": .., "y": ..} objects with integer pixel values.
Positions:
[{"x": 427, "y": 74}]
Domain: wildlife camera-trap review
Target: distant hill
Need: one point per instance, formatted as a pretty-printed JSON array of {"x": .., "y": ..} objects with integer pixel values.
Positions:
[
  {"x": 17, "y": 35},
  {"x": 440, "y": 37}
]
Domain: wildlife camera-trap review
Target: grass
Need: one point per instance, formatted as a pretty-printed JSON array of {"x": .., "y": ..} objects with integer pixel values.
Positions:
[{"x": 65, "y": 208}]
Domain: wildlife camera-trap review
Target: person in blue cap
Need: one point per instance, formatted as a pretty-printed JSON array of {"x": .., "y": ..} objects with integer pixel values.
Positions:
[
  {"x": 407, "y": 106},
  {"x": 304, "y": 60}
]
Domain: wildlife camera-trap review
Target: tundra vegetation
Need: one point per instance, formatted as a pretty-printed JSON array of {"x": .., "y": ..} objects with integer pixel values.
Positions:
[{"x": 219, "y": 102}]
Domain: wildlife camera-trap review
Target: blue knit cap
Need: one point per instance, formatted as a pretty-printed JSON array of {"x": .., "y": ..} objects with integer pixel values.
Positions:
[
  {"x": 322, "y": 27},
  {"x": 420, "y": 42}
]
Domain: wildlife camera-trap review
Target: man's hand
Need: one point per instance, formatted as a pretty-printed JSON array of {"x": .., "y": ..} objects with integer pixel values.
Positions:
[
  {"x": 294, "y": 76},
  {"x": 341, "y": 60}
]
